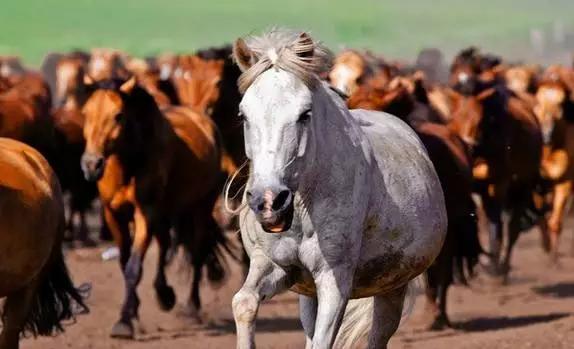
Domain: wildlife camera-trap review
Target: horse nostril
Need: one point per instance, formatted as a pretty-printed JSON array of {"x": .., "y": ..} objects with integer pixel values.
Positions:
[{"x": 282, "y": 200}]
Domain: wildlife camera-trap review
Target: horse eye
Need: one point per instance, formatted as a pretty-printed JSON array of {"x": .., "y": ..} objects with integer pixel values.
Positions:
[{"x": 304, "y": 116}]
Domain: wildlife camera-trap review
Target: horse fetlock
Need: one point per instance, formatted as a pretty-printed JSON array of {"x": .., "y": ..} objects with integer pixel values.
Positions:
[
  {"x": 165, "y": 296},
  {"x": 245, "y": 305}
]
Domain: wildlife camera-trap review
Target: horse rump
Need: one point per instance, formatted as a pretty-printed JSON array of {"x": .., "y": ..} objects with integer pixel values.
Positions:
[{"x": 57, "y": 299}]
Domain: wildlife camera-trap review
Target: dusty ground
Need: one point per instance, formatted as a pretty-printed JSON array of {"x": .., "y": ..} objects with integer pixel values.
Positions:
[{"x": 536, "y": 310}]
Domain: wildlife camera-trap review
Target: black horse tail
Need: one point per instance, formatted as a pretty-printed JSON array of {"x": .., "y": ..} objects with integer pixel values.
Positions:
[
  {"x": 57, "y": 300},
  {"x": 468, "y": 248}
]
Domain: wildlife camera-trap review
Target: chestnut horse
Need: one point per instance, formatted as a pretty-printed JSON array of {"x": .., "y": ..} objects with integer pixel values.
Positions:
[
  {"x": 506, "y": 143},
  {"x": 450, "y": 157},
  {"x": 33, "y": 275},
  {"x": 165, "y": 166},
  {"x": 555, "y": 112}
]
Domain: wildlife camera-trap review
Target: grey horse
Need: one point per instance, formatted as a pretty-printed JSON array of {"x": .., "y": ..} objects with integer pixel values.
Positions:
[{"x": 340, "y": 205}]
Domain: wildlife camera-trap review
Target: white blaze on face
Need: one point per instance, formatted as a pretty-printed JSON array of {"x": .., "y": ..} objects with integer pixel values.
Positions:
[
  {"x": 463, "y": 77},
  {"x": 98, "y": 65},
  {"x": 5, "y": 70},
  {"x": 165, "y": 71},
  {"x": 341, "y": 77},
  {"x": 271, "y": 107}
]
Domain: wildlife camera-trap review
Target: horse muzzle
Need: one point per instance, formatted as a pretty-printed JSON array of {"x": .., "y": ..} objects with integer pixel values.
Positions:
[
  {"x": 92, "y": 166},
  {"x": 273, "y": 208}
]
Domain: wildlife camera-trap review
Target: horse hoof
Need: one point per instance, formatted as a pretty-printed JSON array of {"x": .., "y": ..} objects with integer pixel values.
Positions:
[
  {"x": 166, "y": 298},
  {"x": 122, "y": 330}
]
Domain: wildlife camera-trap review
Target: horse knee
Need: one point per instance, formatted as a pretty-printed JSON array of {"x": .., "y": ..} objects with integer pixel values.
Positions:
[
  {"x": 133, "y": 271},
  {"x": 245, "y": 305}
]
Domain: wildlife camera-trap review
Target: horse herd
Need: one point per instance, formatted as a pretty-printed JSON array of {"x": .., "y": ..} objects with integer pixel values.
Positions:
[{"x": 163, "y": 143}]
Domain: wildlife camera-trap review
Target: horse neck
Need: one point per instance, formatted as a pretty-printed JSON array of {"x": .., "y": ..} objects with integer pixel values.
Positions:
[
  {"x": 152, "y": 131},
  {"x": 336, "y": 141}
]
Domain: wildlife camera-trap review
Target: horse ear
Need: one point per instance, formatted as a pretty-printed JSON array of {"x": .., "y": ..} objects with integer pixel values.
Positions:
[
  {"x": 305, "y": 46},
  {"x": 243, "y": 55},
  {"x": 128, "y": 86}
]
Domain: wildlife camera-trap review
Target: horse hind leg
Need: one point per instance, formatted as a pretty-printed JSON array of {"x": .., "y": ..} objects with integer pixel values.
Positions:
[
  {"x": 387, "y": 313},
  {"x": 15, "y": 314}
]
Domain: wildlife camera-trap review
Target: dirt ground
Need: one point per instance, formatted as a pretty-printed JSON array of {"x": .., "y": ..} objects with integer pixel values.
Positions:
[{"x": 535, "y": 310}]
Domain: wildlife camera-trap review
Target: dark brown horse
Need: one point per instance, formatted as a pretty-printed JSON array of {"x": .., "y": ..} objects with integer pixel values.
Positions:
[
  {"x": 467, "y": 68},
  {"x": 165, "y": 166},
  {"x": 406, "y": 98},
  {"x": 33, "y": 275},
  {"x": 507, "y": 144}
]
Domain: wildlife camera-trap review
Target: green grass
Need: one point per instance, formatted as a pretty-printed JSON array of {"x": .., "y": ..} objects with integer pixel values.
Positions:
[{"x": 32, "y": 28}]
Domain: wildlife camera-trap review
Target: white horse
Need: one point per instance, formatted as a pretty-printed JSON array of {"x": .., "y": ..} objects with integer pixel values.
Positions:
[{"x": 339, "y": 204}]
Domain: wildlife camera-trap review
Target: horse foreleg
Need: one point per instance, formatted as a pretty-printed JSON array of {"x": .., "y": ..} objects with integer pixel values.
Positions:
[
  {"x": 264, "y": 280},
  {"x": 119, "y": 228},
  {"x": 15, "y": 314},
  {"x": 387, "y": 313},
  {"x": 554, "y": 225},
  {"x": 333, "y": 292},
  {"x": 308, "y": 314},
  {"x": 493, "y": 209},
  {"x": 132, "y": 277},
  {"x": 164, "y": 292}
]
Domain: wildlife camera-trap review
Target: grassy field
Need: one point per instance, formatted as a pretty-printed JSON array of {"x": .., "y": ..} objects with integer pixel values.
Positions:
[{"x": 397, "y": 27}]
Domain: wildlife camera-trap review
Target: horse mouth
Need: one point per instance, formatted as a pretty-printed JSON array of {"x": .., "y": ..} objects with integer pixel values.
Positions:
[
  {"x": 93, "y": 176},
  {"x": 277, "y": 222}
]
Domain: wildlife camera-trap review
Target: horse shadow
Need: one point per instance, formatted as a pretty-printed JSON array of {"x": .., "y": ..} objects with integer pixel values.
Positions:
[
  {"x": 559, "y": 290},
  {"x": 269, "y": 325},
  {"x": 484, "y": 324}
]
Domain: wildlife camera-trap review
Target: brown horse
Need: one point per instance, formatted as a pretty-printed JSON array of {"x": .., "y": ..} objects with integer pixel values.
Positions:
[
  {"x": 11, "y": 66},
  {"x": 196, "y": 81},
  {"x": 33, "y": 274},
  {"x": 106, "y": 64},
  {"x": 352, "y": 69},
  {"x": 555, "y": 112},
  {"x": 467, "y": 67},
  {"x": 165, "y": 165},
  {"x": 207, "y": 82},
  {"x": 25, "y": 112},
  {"x": 68, "y": 121},
  {"x": 407, "y": 99},
  {"x": 507, "y": 144}
]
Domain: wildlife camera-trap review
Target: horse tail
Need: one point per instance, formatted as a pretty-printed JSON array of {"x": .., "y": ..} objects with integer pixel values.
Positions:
[
  {"x": 56, "y": 300},
  {"x": 358, "y": 317},
  {"x": 468, "y": 248}
]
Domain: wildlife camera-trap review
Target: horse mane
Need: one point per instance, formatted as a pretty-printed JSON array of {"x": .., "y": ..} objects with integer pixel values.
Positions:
[{"x": 284, "y": 49}]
